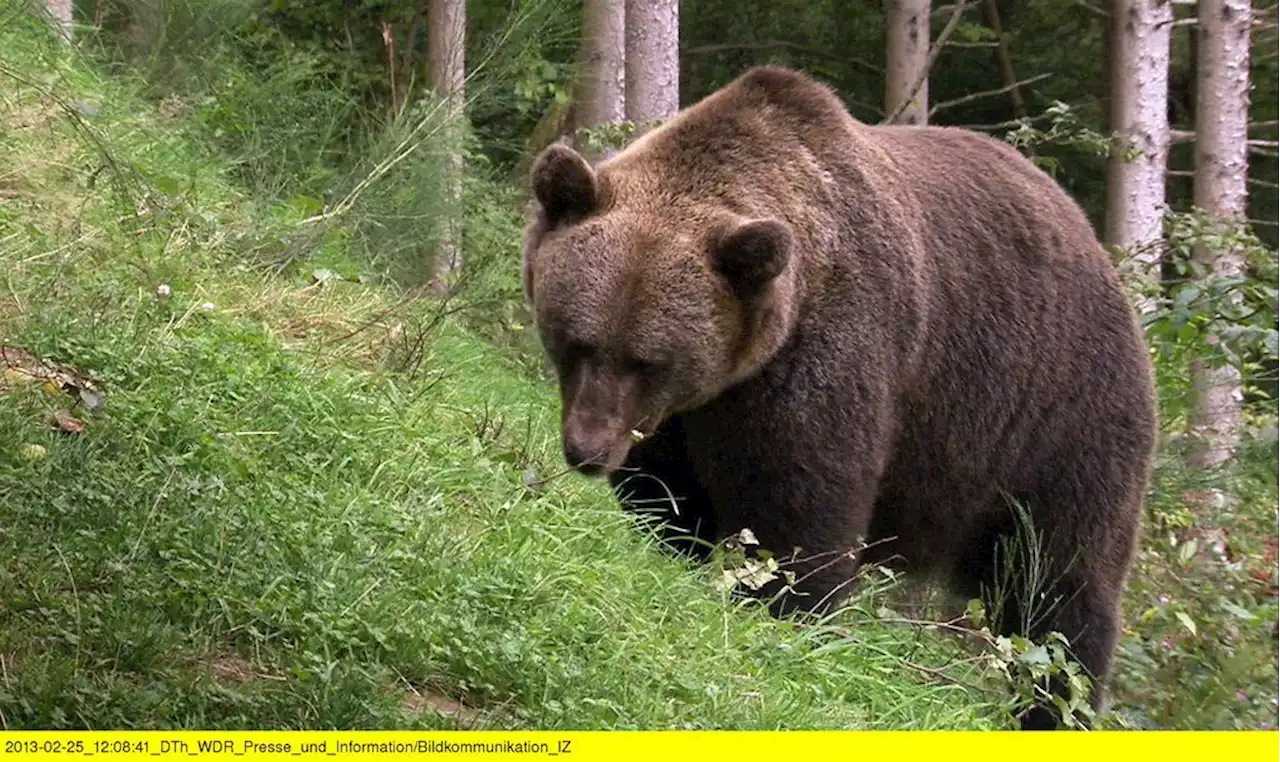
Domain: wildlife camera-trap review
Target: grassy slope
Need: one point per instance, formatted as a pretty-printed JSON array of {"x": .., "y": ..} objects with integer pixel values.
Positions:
[{"x": 268, "y": 529}]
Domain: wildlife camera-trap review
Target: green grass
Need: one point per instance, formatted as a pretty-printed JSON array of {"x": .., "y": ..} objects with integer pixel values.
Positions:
[{"x": 293, "y": 514}]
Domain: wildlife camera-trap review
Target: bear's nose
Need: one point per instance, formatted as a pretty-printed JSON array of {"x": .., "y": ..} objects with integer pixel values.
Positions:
[{"x": 587, "y": 455}]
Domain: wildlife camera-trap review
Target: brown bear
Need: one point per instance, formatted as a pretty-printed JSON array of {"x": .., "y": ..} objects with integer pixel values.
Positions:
[{"x": 864, "y": 343}]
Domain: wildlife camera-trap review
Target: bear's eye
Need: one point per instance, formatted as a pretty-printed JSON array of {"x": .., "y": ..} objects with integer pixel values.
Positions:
[
  {"x": 575, "y": 352},
  {"x": 636, "y": 366}
]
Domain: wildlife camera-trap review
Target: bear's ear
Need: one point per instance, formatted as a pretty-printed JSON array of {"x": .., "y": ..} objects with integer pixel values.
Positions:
[
  {"x": 750, "y": 255},
  {"x": 563, "y": 183}
]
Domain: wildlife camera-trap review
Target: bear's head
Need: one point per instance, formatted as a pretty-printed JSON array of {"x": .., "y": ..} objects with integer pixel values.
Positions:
[{"x": 648, "y": 303}]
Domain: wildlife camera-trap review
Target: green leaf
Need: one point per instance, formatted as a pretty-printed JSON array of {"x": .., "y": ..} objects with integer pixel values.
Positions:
[
  {"x": 1036, "y": 657},
  {"x": 976, "y": 613},
  {"x": 1186, "y": 296},
  {"x": 1237, "y": 612},
  {"x": 1187, "y": 622}
]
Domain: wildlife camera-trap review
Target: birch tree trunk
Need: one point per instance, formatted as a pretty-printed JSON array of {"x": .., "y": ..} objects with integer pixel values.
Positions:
[
  {"x": 602, "y": 85},
  {"x": 446, "y": 50},
  {"x": 652, "y": 61},
  {"x": 60, "y": 13},
  {"x": 907, "y": 61},
  {"x": 1222, "y": 116},
  {"x": 1141, "y": 33}
]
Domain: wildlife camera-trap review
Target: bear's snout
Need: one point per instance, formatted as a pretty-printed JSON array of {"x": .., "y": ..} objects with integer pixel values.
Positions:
[
  {"x": 600, "y": 410},
  {"x": 593, "y": 450}
]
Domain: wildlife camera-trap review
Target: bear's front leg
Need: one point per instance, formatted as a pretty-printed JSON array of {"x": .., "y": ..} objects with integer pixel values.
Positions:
[
  {"x": 808, "y": 503},
  {"x": 658, "y": 482}
]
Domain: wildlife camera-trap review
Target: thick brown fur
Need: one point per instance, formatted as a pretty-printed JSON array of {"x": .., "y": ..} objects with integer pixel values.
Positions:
[{"x": 828, "y": 331}]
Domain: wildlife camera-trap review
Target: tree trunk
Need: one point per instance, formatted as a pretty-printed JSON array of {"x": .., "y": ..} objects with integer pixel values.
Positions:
[
  {"x": 652, "y": 61},
  {"x": 907, "y": 61},
  {"x": 992, "y": 11},
  {"x": 1222, "y": 117},
  {"x": 446, "y": 50},
  {"x": 60, "y": 13},
  {"x": 1106, "y": 85},
  {"x": 1141, "y": 31},
  {"x": 602, "y": 74}
]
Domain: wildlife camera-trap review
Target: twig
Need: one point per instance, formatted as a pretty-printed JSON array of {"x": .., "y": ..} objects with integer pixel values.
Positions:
[
  {"x": 873, "y": 108},
  {"x": 1265, "y": 18},
  {"x": 1009, "y": 124},
  {"x": 1182, "y": 136},
  {"x": 1011, "y": 87},
  {"x": 1095, "y": 10},
  {"x": 361, "y": 597},
  {"x": 957, "y": 11},
  {"x": 941, "y": 674},
  {"x": 949, "y": 626}
]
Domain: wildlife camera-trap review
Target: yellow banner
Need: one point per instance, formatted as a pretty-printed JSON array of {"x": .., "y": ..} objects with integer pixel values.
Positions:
[{"x": 1163, "y": 746}]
